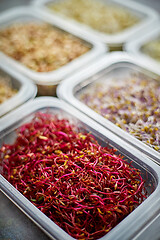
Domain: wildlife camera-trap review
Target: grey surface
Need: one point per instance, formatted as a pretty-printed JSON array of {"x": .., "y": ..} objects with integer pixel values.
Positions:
[
  {"x": 14, "y": 225},
  {"x": 5, "y": 4},
  {"x": 155, "y": 4}
]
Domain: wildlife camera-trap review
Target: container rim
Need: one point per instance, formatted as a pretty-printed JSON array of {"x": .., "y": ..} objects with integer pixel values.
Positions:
[
  {"x": 107, "y": 60},
  {"x": 134, "y": 46},
  {"x": 27, "y": 91},
  {"x": 148, "y": 14},
  {"x": 150, "y": 205},
  {"x": 55, "y": 76}
]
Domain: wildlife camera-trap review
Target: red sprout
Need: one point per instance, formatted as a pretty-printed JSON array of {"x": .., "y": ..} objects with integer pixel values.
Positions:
[{"x": 83, "y": 187}]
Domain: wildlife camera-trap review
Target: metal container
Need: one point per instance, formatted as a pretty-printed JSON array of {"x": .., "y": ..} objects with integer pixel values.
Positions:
[
  {"x": 115, "y": 41},
  {"x": 26, "y": 90},
  {"x": 135, "y": 46},
  {"x": 135, "y": 221},
  {"x": 115, "y": 64},
  {"x": 47, "y": 81}
]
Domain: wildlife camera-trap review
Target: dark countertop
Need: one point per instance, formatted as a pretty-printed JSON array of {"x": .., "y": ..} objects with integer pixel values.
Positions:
[
  {"x": 6, "y": 4},
  {"x": 14, "y": 224}
]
